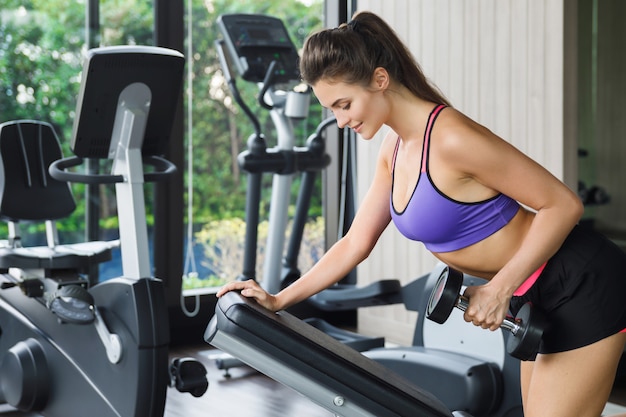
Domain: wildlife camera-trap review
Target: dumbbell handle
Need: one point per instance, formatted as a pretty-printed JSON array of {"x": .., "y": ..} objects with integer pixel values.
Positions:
[{"x": 463, "y": 302}]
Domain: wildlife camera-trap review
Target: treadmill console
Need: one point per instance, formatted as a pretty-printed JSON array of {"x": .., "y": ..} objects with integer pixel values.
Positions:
[{"x": 254, "y": 41}]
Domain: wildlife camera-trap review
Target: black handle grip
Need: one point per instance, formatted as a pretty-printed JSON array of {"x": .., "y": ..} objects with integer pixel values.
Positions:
[{"x": 58, "y": 171}]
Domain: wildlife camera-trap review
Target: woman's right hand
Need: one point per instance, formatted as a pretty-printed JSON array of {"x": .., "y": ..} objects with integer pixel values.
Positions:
[{"x": 251, "y": 289}]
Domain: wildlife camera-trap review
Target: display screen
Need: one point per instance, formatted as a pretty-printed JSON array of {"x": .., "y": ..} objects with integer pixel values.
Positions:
[{"x": 254, "y": 41}]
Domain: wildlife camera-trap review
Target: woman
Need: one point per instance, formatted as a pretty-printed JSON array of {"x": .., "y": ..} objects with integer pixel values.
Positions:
[{"x": 452, "y": 184}]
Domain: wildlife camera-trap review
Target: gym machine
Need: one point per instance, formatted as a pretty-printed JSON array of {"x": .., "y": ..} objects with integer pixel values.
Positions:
[
  {"x": 456, "y": 365},
  {"x": 68, "y": 348},
  {"x": 463, "y": 366},
  {"x": 258, "y": 47}
]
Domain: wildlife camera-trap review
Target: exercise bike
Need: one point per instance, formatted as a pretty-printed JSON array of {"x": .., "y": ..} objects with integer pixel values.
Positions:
[{"x": 68, "y": 348}]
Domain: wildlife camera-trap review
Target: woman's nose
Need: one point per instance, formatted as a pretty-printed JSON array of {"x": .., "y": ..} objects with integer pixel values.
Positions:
[{"x": 342, "y": 121}]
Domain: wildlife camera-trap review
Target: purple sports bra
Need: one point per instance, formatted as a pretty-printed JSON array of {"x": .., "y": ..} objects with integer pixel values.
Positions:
[{"x": 441, "y": 223}]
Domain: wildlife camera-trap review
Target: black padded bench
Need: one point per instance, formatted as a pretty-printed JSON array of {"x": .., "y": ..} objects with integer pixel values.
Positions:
[{"x": 335, "y": 376}]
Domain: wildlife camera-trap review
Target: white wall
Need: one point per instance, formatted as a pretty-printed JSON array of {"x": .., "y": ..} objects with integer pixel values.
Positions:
[{"x": 498, "y": 61}]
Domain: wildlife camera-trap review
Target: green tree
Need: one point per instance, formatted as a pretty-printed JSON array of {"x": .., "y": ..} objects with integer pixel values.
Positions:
[{"x": 40, "y": 62}]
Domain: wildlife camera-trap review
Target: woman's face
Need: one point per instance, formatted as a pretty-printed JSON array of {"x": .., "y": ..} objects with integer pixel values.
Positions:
[{"x": 360, "y": 108}]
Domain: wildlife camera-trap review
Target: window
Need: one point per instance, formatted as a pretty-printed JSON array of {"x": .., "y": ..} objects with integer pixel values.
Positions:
[{"x": 41, "y": 47}]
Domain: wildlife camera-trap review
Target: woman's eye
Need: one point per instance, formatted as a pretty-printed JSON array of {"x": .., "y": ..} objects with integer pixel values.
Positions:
[{"x": 346, "y": 107}]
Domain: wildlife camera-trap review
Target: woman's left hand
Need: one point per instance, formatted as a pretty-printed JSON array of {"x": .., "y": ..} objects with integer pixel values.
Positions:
[{"x": 487, "y": 306}]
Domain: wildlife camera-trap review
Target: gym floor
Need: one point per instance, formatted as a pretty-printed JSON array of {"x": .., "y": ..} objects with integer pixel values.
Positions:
[{"x": 247, "y": 393}]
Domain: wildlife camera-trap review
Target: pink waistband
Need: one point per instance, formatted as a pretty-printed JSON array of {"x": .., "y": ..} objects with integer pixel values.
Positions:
[{"x": 529, "y": 281}]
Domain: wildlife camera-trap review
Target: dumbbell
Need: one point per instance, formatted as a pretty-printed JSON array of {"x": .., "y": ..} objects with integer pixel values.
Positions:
[{"x": 526, "y": 329}]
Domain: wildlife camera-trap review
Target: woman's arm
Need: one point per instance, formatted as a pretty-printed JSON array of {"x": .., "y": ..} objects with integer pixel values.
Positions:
[{"x": 490, "y": 161}]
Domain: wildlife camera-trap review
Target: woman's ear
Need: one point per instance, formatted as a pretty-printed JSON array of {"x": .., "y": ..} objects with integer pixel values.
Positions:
[{"x": 380, "y": 78}]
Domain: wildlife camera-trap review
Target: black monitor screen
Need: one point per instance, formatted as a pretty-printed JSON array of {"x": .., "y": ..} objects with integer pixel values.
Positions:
[
  {"x": 254, "y": 41},
  {"x": 106, "y": 72}
]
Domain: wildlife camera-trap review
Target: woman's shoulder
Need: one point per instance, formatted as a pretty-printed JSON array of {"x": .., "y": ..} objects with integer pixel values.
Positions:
[
  {"x": 454, "y": 130},
  {"x": 451, "y": 120}
]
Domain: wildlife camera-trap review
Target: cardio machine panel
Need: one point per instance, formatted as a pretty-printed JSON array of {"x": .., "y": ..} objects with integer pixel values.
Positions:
[
  {"x": 254, "y": 41},
  {"x": 106, "y": 73}
]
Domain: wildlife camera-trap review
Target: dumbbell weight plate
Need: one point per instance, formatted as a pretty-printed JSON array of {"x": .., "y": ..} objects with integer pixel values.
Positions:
[
  {"x": 445, "y": 295},
  {"x": 525, "y": 343}
]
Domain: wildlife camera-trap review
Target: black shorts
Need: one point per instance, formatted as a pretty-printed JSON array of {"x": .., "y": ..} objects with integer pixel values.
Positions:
[{"x": 582, "y": 291}]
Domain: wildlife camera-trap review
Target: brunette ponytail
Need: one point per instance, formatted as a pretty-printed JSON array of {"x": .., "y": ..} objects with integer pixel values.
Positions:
[{"x": 351, "y": 53}]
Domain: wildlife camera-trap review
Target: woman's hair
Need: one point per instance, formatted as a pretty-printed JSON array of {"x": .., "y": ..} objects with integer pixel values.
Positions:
[{"x": 351, "y": 53}]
